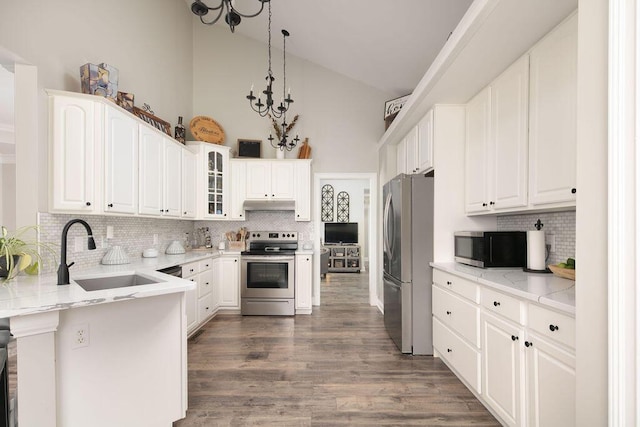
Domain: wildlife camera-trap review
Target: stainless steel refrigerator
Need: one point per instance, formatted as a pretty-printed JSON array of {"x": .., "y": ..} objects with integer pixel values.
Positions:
[{"x": 408, "y": 250}]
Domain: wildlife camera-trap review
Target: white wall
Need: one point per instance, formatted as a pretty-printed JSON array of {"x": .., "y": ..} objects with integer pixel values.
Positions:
[
  {"x": 341, "y": 117},
  {"x": 150, "y": 42},
  {"x": 8, "y": 195}
]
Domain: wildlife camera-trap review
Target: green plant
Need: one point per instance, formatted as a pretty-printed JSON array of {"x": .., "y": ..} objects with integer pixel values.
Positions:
[{"x": 18, "y": 253}]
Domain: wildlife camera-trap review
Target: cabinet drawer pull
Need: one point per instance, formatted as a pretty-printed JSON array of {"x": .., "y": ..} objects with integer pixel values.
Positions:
[
  {"x": 448, "y": 313},
  {"x": 184, "y": 213},
  {"x": 553, "y": 328},
  {"x": 514, "y": 338},
  {"x": 88, "y": 203},
  {"x": 492, "y": 203},
  {"x": 528, "y": 344},
  {"x": 110, "y": 205},
  {"x": 449, "y": 283},
  {"x": 449, "y": 350},
  {"x": 573, "y": 191},
  {"x": 496, "y": 303},
  {"x": 484, "y": 204}
]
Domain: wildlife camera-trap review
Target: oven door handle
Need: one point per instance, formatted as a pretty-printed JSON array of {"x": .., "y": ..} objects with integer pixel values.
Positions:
[{"x": 267, "y": 258}]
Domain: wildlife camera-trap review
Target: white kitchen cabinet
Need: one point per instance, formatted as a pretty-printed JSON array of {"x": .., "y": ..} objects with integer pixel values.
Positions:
[
  {"x": 496, "y": 146},
  {"x": 551, "y": 383},
  {"x": 303, "y": 190},
  {"x": 411, "y": 151},
  {"x": 270, "y": 180},
  {"x": 501, "y": 368},
  {"x": 206, "y": 284},
  {"x": 478, "y": 125},
  {"x": 425, "y": 143},
  {"x": 121, "y": 162},
  {"x": 463, "y": 358},
  {"x": 303, "y": 280},
  {"x": 190, "y": 272},
  {"x": 401, "y": 156},
  {"x": 553, "y": 105},
  {"x": 213, "y": 189},
  {"x": 189, "y": 184},
  {"x": 508, "y": 141},
  {"x": 76, "y": 145},
  {"x": 227, "y": 274},
  {"x": 238, "y": 189},
  {"x": 160, "y": 175}
]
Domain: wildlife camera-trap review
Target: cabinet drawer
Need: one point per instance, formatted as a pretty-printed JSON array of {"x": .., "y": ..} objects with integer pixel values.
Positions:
[
  {"x": 460, "y": 355},
  {"x": 190, "y": 269},
  {"x": 205, "y": 308},
  {"x": 205, "y": 264},
  {"x": 460, "y": 286},
  {"x": 501, "y": 304},
  {"x": 458, "y": 314},
  {"x": 205, "y": 282},
  {"x": 552, "y": 324}
]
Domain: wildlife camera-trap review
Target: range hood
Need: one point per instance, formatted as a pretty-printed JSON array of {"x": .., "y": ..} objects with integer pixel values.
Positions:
[{"x": 269, "y": 205}]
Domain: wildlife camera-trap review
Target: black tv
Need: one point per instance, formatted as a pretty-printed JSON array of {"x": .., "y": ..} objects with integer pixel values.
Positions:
[{"x": 340, "y": 233}]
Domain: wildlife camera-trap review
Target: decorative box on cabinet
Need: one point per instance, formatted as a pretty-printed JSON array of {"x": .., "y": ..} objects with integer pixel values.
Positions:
[
  {"x": 304, "y": 281},
  {"x": 213, "y": 188},
  {"x": 344, "y": 258}
]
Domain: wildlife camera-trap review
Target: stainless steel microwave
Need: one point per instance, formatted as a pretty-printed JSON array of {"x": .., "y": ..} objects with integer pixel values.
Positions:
[{"x": 487, "y": 249}]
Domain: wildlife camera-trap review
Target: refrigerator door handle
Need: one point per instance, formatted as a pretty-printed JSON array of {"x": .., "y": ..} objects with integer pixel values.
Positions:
[{"x": 388, "y": 227}]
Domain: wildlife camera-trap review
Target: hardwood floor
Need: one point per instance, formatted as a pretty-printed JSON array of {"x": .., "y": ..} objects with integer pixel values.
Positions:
[{"x": 334, "y": 367}]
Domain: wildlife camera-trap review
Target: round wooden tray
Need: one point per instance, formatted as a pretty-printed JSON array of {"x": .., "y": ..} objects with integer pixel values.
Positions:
[
  {"x": 566, "y": 273},
  {"x": 206, "y": 129}
]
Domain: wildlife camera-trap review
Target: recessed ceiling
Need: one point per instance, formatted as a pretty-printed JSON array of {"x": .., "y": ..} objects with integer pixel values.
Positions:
[{"x": 385, "y": 44}]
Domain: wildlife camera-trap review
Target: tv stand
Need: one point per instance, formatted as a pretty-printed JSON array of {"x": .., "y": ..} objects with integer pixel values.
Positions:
[{"x": 344, "y": 258}]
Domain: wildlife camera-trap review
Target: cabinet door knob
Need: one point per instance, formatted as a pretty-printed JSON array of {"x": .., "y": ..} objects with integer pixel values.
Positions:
[
  {"x": 484, "y": 204},
  {"x": 88, "y": 203},
  {"x": 449, "y": 350},
  {"x": 553, "y": 328},
  {"x": 266, "y": 195},
  {"x": 448, "y": 313},
  {"x": 528, "y": 344},
  {"x": 307, "y": 259},
  {"x": 110, "y": 205},
  {"x": 496, "y": 303},
  {"x": 184, "y": 213},
  {"x": 573, "y": 191},
  {"x": 492, "y": 203},
  {"x": 514, "y": 338},
  {"x": 449, "y": 283}
]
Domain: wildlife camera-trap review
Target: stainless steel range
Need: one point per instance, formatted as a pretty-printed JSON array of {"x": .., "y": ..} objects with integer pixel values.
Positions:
[{"x": 267, "y": 274}]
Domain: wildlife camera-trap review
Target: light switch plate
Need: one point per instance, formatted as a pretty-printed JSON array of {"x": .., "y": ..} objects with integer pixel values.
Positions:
[
  {"x": 109, "y": 231},
  {"x": 550, "y": 239}
]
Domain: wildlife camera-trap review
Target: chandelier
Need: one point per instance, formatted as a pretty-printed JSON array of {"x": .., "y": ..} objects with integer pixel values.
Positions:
[
  {"x": 269, "y": 108},
  {"x": 231, "y": 16}
]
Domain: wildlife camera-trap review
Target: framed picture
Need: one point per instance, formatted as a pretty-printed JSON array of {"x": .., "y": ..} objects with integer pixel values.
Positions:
[
  {"x": 154, "y": 121},
  {"x": 249, "y": 148},
  {"x": 394, "y": 106}
]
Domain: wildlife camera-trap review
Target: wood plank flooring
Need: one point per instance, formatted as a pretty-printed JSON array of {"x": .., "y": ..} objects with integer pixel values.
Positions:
[{"x": 334, "y": 367}]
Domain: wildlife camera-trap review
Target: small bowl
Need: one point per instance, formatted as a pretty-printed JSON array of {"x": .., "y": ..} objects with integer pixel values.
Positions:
[{"x": 150, "y": 253}]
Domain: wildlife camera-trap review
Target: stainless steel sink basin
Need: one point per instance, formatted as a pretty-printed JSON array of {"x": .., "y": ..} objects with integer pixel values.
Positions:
[{"x": 112, "y": 282}]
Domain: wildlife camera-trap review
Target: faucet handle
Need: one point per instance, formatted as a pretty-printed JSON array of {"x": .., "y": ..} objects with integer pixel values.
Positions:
[{"x": 69, "y": 265}]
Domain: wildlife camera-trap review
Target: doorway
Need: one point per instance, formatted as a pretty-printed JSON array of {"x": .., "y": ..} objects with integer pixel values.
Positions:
[{"x": 362, "y": 191}]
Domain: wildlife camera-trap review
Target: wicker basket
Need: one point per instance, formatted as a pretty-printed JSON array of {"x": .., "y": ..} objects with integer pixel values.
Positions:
[{"x": 566, "y": 273}]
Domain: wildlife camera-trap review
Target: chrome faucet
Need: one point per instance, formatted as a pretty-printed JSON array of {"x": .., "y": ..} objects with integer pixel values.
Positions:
[{"x": 63, "y": 269}]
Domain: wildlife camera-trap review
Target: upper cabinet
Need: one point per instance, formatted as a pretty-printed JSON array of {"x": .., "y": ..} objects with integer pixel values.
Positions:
[
  {"x": 552, "y": 131},
  {"x": 189, "y": 183},
  {"x": 521, "y": 131},
  {"x": 213, "y": 189},
  {"x": 271, "y": 180},
  {"x": 239, "y": 189},
  {"x": 302, "y": 175},
  {"x": 415, "y": 150},
  {"x": 75, "y": 164}
]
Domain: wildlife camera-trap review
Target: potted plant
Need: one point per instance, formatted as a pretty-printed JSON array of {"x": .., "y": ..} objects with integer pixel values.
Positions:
[{"x": 18, "y": 253}]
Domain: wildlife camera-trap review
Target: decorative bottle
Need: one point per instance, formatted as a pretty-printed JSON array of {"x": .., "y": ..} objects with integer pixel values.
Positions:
[{"x": 180, "y": 131}]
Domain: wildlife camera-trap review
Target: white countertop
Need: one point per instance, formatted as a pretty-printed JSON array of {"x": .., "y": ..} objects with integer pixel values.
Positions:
[
  {"x": 546, "y": 289},
  {"x": 26, "y": 294}
]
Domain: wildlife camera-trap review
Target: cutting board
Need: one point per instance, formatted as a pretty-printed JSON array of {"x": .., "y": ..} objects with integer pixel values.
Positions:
[
  {"x": 305, "y": 150},
  {"x": 206, "y": 129}
]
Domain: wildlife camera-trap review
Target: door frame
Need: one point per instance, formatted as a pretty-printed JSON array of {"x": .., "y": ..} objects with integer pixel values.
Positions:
[{"x": 373, "y": 229}]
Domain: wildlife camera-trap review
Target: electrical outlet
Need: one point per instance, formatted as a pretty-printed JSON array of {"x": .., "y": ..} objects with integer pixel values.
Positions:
[
  {"x": 80, "y": 336},
  {"x": 550, "y": 240},
  {"x": 109, "y": 231}
]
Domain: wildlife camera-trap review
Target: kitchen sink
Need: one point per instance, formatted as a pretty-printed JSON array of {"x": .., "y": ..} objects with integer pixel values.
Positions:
[{"x": 112, "y": 282}]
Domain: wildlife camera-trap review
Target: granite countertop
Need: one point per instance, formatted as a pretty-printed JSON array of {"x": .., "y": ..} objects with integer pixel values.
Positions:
[
  {"x": 546, "y": 289},
  {"x": 26, "y": 295}
]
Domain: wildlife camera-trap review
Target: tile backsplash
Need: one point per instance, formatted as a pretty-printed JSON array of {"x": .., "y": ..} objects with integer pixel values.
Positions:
[
  {"x": 135, "y": 234},
  {"x": 561, "y": 224}
]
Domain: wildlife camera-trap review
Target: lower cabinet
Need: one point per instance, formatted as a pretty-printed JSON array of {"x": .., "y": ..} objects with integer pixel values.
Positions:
[
  {"x": 304, "y": 281},
  {"x": 202, "y": 302},
  {"x": 227, "y": 275},
  {"x": 523, "y": 368},
  {"x": 190, "y": 272}
]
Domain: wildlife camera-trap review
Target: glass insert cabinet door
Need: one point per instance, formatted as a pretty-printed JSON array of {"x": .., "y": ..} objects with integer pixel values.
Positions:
[{"x": 215, "y": 181}]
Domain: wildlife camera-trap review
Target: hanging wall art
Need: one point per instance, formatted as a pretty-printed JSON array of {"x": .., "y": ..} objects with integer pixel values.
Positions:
[
  {"x": 327, "y": 203},
  {"x": 343, "y": 206}
]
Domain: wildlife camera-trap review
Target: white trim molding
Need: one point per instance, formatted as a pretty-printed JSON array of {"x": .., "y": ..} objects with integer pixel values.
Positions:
[{"x": 623, "y": 211}]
